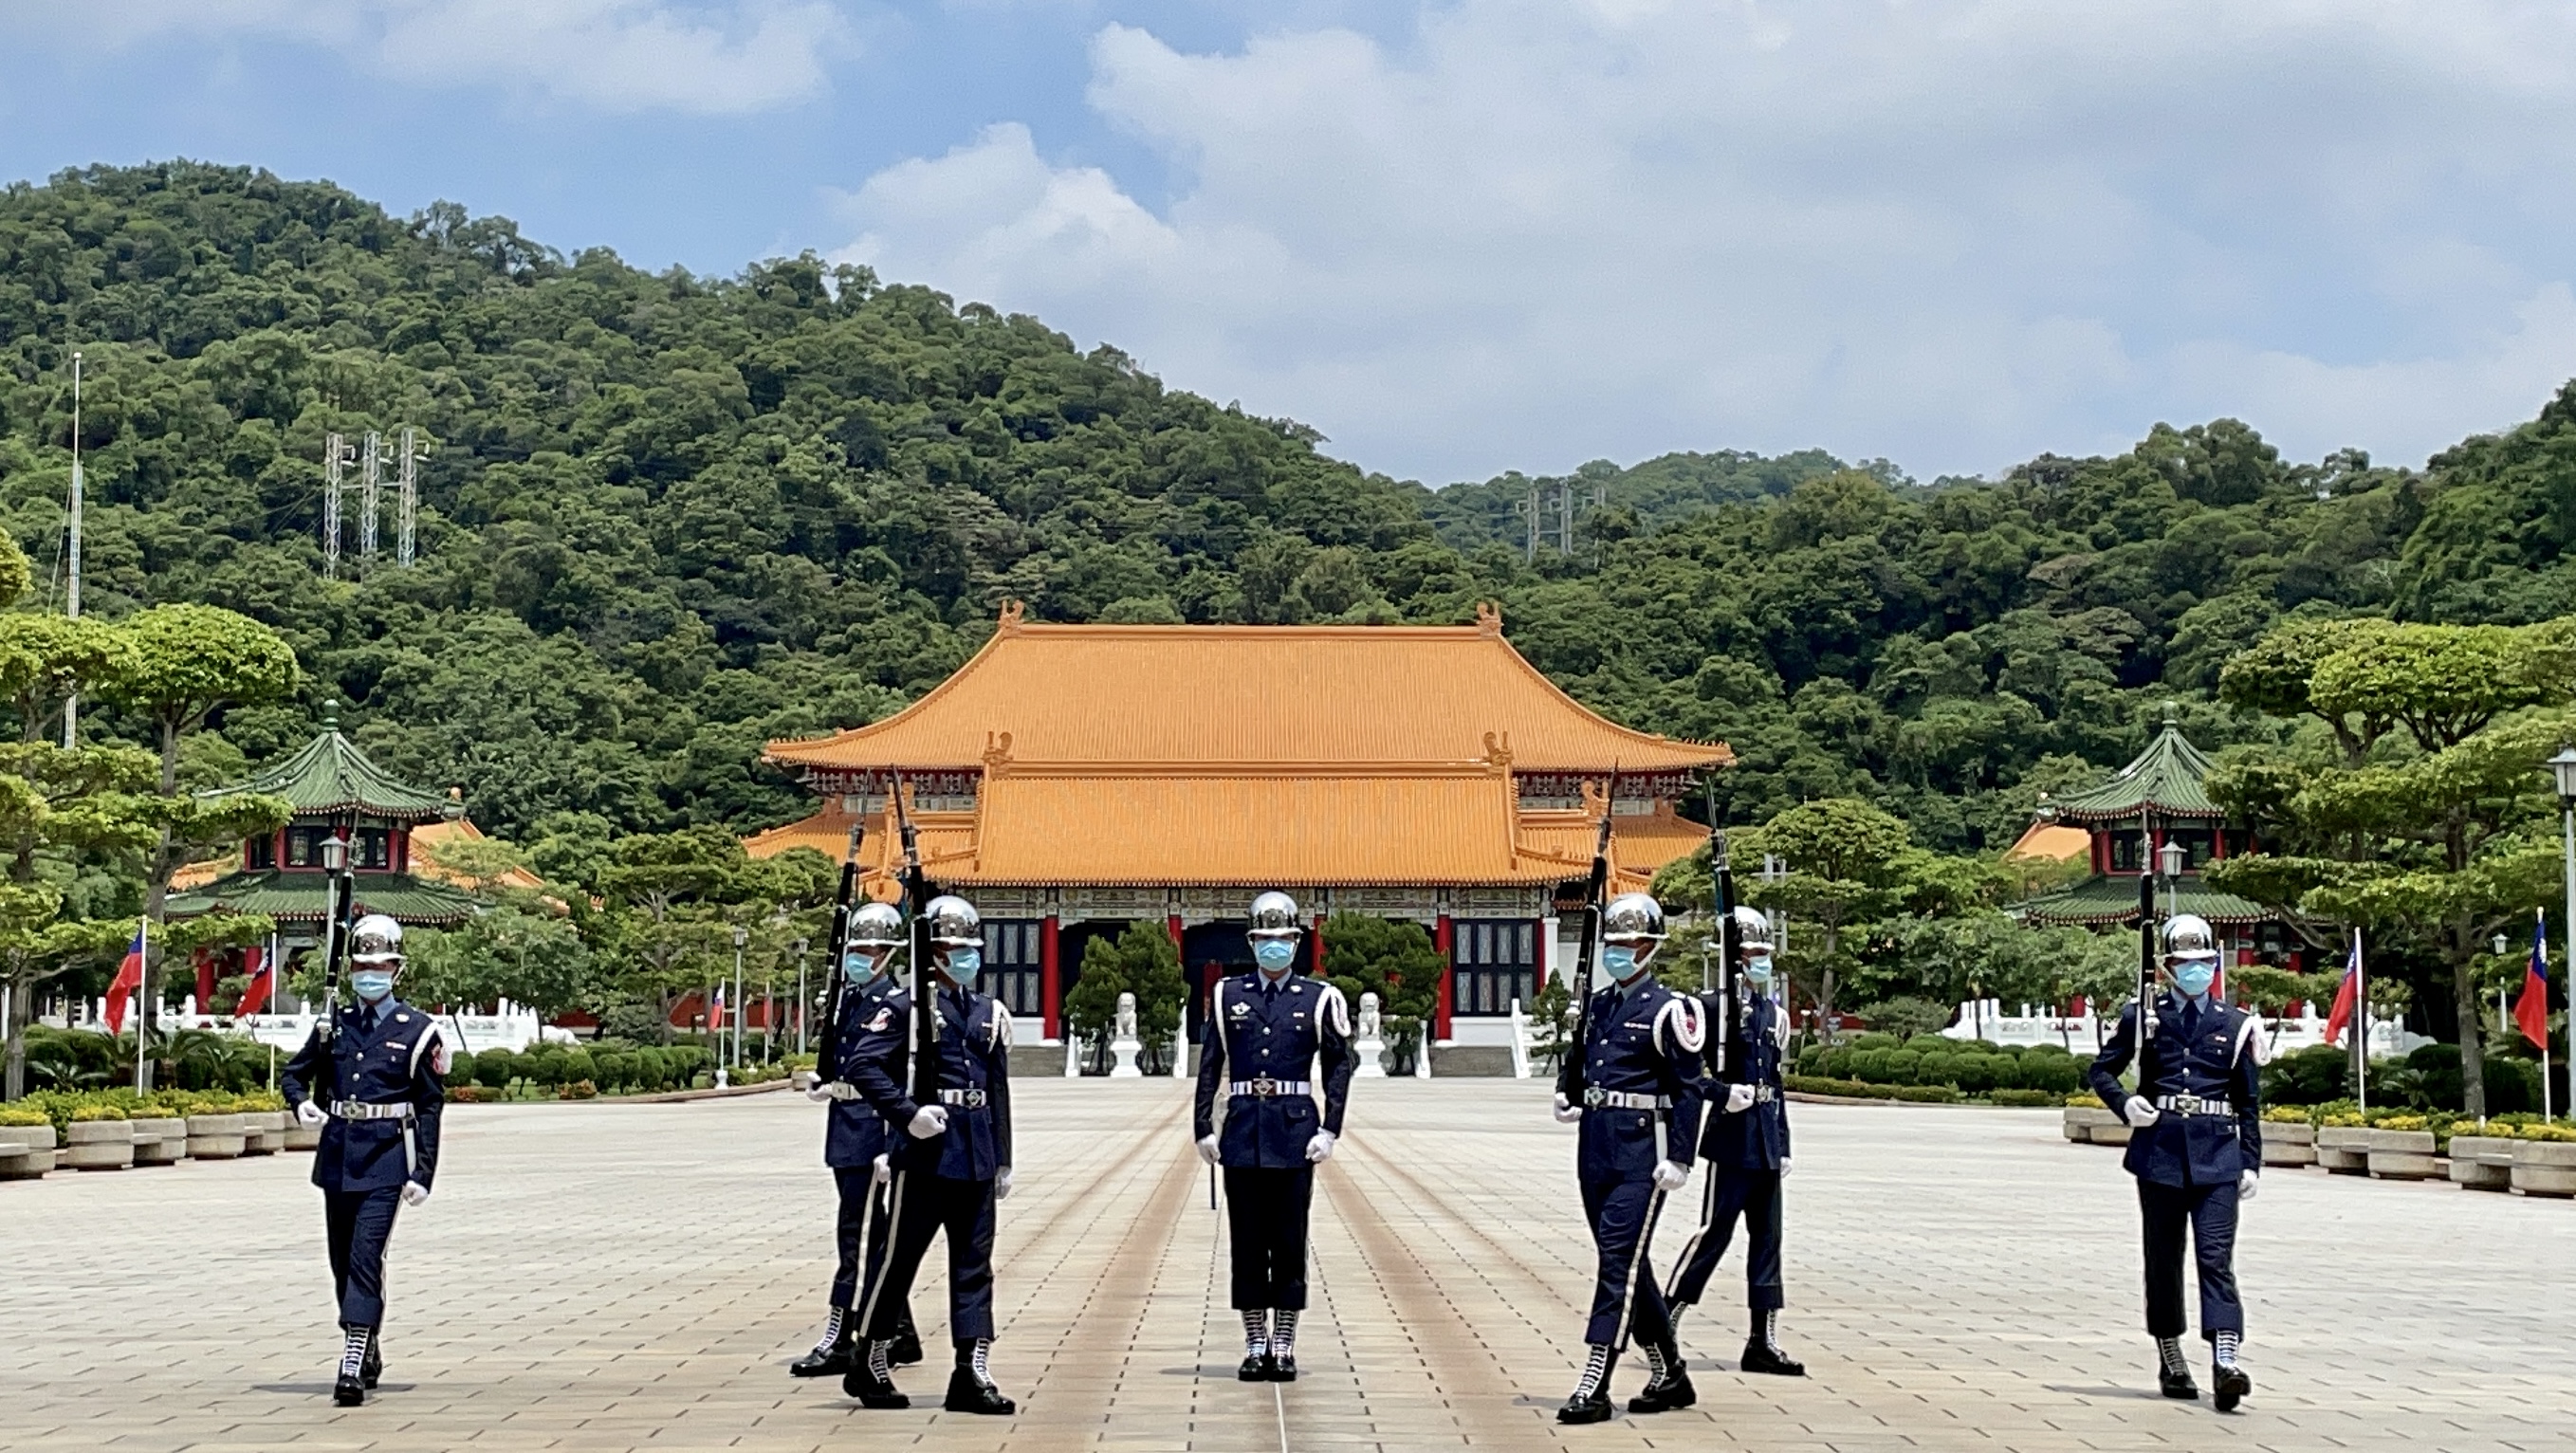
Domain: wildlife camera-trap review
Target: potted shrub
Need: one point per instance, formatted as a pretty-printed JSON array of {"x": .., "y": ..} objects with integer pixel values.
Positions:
[
  {"x": 2290, "y": 1139},
  {"x": 216, "y": 1136},
  {"x": 159, "y": 1139},
  {"x": 2544, "y": 1161},
  {"x": 2343, "y": 1146},
  {"x": 2401, "y": 1149},
  {"x": 26, "y": 1142},
  {"x": 2483, "y": 1162},
  {"x": 99, "y": 1137}
]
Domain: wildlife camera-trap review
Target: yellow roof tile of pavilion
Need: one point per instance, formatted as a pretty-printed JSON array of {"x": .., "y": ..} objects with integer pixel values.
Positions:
[{"x": 1232, "y": 695}]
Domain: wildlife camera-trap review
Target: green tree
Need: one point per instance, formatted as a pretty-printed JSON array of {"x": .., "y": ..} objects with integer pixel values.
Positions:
[
  {"x": 1396, "y": 961},
  {"x": 1844, "y": 858},
  {"x": 667, "y": 928}
]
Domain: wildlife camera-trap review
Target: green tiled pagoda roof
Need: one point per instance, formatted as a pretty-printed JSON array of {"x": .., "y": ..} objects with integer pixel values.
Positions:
[
  {"x": 291, "y": 896},
  {"x": 331, "y": 776},
  {"x": 2165, "y": 779},
  {"x": 2106, "y": 900}
]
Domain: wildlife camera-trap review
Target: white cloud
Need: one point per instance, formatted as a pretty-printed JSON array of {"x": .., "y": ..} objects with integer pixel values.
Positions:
[
  {"x": 1955, "y": 234},
  {"x": 615, "y": 55}
]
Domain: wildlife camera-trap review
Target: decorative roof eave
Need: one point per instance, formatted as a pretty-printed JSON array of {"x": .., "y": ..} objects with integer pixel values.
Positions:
[
  {"x": 2165, "y": 780},
  {"x": 330, "y": 777},
  {"x": 300, "y": 897},
  {"x": 2102, "y": 902}
]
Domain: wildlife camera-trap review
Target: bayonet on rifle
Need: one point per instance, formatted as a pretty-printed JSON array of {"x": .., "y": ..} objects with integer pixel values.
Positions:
[
  {"x": 1569, "y": 1069},
  {"x": 836, "y": 981},
  {"x": 925, "y": 1003}
]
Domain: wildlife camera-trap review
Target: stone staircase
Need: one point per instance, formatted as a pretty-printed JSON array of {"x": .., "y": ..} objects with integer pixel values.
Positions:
[{"x": 1491, "y": 1061}]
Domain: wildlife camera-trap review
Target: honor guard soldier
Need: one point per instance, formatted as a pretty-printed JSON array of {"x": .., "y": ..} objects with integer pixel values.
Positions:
[
  {"x": 1640, "y": 1114},
  {"x": 2196, "y": 1147},
  {"x": 951, "y": 1164},
  {"x": 375, "y": 1084},
  {"x": 1746, "y": 1150},
  {"x": 856, "y": 1145},
  {"x": 1264, "y": 1030}
]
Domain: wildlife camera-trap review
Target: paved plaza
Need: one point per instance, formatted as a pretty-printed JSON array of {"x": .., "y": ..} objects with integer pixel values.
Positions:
[{"x": 601, "y": 1276}]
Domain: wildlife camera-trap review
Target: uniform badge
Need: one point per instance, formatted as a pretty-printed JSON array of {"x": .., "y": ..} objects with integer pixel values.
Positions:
[
  {"x": 1238, "y": 1009},
  {"x": 402, "y": 1019},
  {"x": 439, "y": 1058},
  {"x": 877, "y": 1022}
]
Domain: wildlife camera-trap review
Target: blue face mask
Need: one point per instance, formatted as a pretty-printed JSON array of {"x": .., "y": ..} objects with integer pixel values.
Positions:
[
  {"x": 372, "y": 984},
  {"x": 1759, "y": 971},
  {"x": 860, "y": 967},
  {"x": 1621, "y": 961},
  {"x": 961, "y": 966},
  {"x": 2193, "y": 976},
  {"x": 1274, "y": 955}
]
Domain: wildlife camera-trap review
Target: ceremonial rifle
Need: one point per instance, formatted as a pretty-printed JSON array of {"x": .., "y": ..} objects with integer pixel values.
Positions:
[
  {"x": 925, "y": 1003},
  {"x": 836, "y": 980},
  {"x": 337, "y": 901},
  {"x": 2146, "y": 940},
  {"x": 1730, "y": 943},
  {"x": 1569, "y": 1069}
]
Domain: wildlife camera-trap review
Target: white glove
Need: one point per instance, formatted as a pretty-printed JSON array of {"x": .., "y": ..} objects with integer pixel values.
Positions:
[
  {"x": 1566, "y": 1114},
  {"x": 928, "y": 1121},
  {"x": 880, "y": 1171},
  {"x": 1207, "y": 1149},
  {"x": 308, "y": 1113},
  {"x": 1320, "y": 1149},
  {"x": 2245, "y": 1183},
  {"x": 413, "y": 1193},
  {"x": 1671, "y": 1175},
  {"x": 819, "y": 1094},
  {"x": 1002, "y": 1184},
  {"x": 1784, "y": 1167},
  {"x": 2140, "y": 1111},
  {"x": 1739, "y": 1098}
]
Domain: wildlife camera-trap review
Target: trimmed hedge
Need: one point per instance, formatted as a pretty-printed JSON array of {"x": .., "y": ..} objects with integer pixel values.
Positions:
[{"x": 1861, "y": 1090}]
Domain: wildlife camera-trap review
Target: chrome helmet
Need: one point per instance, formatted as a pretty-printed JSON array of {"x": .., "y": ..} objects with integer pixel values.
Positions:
[
  {"x": 1752, "y": 931},
  {"x": 376, "y": 939},
  {"x": 878, "y": 925},
  {"x": 1274, "y": 915},
  {"x": 954, "y": 923},
  {"x": 2189, "y": 936},
  {"x": 1631, "y": 916}
]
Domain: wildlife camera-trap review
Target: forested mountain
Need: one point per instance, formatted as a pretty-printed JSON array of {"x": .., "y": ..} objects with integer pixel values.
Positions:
[{"x": 667, "y": 516}]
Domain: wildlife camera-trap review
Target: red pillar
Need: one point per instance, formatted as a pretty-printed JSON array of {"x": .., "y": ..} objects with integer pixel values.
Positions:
[
  {"x": 1443, "y": 937},
  {"x": 1050, "y": 979},
  {"x": 205, "y": 980},
  {"x": 1316, "y": 966}
]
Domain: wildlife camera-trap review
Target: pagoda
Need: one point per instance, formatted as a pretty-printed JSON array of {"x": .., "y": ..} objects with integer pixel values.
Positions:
[
  {"x": 335, "y": 790},
  {"x": 1073, "y": 779},
  {"x": 2119, "y": 826}
]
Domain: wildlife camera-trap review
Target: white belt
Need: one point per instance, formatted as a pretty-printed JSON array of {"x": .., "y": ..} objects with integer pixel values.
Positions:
[
  {"x": 1622, "y": 1100},
  {"x": 971, "y": 1099},
  {"x": 362, "y": 1110},
  {"x": 1265, "y": 1087},
  {"x": 2192, "y": 1105}
]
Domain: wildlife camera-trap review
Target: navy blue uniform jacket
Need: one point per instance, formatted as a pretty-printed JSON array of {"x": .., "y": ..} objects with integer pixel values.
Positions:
[
  {"x": 2219, "y": 1056},
  {"x": 401, "y": 1063},
  {"x": 1255, "y": 1033},
  {"x": 1757, "y": 1136},
  {"x": 1645, "y": 1041},
  {"x": 974, "y": 1056},
  {"x": 854, "y": 1134}
]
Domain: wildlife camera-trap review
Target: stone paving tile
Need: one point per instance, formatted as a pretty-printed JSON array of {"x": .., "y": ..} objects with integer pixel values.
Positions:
[{"x": 610, "y": 1277}]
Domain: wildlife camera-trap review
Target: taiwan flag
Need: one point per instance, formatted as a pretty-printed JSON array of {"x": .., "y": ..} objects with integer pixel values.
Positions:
[
  {"x": 255, "y": 993},
  {"x": 2347, "y": 995},
  {"x": 129, "y": 977},
  {"x": 2531, "y": 1011},
  {"x": 716, "y": 1008}
]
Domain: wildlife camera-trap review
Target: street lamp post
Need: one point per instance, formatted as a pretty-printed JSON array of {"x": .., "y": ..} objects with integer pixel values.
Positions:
[{"x": 741, "y": 936}]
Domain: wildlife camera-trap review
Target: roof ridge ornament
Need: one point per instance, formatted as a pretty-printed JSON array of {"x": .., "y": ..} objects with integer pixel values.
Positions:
[
  {"x": 997, "y": 750},
  {"x": 1489, "y": 618},
  {"x": 1013, "y": 612},
  {"x": 331, "y": 715},
  {"x": 1498, "y": 754}
]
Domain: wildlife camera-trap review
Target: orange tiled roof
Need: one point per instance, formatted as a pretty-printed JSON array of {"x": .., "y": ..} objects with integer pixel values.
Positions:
[
  {"x": 1236, "y": 696},
  {"x": 2053, "y": 842},
  {"x": 426, "y": 837}
]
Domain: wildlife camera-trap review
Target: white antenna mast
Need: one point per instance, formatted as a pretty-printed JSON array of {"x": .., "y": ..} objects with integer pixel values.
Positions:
[
  {"x": 371, "y": 477},
  {"x": 407, "y": 509},
  {"x": 335, "y": 454},
  {"x": 71, "y": 598}
]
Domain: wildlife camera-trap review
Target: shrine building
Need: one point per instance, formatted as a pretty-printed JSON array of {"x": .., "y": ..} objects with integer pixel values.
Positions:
[
  {"x": 1075, "y": 779},
  {"x": 2118, "y": 826}
]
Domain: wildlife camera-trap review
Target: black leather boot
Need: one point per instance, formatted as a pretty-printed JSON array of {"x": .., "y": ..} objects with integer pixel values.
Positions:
[
  {"x": 349, "y": 1389},
  {"x": 906, "y": 1350},
  {"x": 2177, "y": 1385},
  {"x": 828, "y": 1359},
  {"x": 968, "y": 1393},
  {"x": 867, "y": 1380},
  {"x": 1283, "y": 1367},
  {"x": 373, "y": 1369},
  {"x": 1669, "y": 1387},
  {"x": 1255, "y": 1368},
  {"x": 1591, "y": 1400},
  {"x": 1763, "y": 1357},
  {"x": 2229, "y": 1385}
]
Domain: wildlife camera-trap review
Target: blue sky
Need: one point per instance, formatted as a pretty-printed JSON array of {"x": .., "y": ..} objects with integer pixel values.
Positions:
[{"x": 1486, "y": 234}]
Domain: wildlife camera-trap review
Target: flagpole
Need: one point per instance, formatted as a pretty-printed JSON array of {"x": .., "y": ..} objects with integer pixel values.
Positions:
[
  {"x": 142, "y": 983},
  {"x": 2361, "y": 1040}
]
